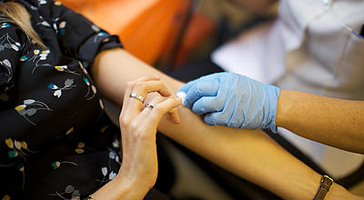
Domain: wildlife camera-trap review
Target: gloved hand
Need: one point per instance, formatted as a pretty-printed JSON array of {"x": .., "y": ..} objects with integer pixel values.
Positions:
[{"x": 232, "y": 100}]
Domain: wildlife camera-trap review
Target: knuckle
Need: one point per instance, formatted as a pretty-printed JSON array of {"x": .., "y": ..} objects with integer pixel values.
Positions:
[
  {"x": 133, "y": 126},
  {"x": 130, "y": 84},
  {"x": 158, "y": 108},
  {"x": 212, "y": 107},
  {"x": 158, "y": 98},
  {"x": 140, "y": 133},
  {"x": 123, "y": 120},
  {"x": 140, "y": 86},
  {"x": 220, "y": 120},
  {"x": 162, "y": 85}
]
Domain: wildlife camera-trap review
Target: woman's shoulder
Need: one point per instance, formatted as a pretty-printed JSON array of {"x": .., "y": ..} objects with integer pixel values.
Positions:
[{"x": 10, "y": 31}]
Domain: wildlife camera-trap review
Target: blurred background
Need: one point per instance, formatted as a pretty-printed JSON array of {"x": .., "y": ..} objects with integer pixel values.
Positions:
[{"x": 166, "y": 33}]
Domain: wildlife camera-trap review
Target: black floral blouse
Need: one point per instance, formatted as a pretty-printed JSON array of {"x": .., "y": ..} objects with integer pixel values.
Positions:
[{"x": 56, "y": 142}]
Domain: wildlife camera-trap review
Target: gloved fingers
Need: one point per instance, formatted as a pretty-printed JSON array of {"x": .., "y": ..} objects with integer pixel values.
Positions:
[
  {"x": 219, "y": 118},
  {"x": 200, "y": 88},
  {"x": 187, "y": 86},
  {"x": 208, "y": 104},
  {"x": 182, "y": 92}
]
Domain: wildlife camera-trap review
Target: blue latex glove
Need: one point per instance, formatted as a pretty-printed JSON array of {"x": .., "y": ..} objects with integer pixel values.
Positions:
[{"x": 233, "y": 100}]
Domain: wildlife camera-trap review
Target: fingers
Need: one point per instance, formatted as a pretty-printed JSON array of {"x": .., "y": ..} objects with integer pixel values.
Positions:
[
  {"x": 161, "y": 107},
  {"x": 173, "y": 115},
  {"x": 134, "y": 106},
  {"x": 130, "y": 86},
  {"x": 148, "y": 84},
  {"x": 136, "y": 92},
  {"x": 208, "y": 104},
  {"x": 219, "y": 118},
  {"x": 229, "y": 115},
  {"x": 146, "y": 122},
  {"x": 201, "y": 88},
  {"x": 138, "y": 123}
]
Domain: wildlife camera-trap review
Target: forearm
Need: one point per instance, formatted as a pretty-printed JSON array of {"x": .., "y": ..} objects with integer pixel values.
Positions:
[
  {"x": 248, "y": 154},
  {"x": 251, "y": 155},
  {"x": 114, "y": 68},
  {"x": 331, "y": 121}
]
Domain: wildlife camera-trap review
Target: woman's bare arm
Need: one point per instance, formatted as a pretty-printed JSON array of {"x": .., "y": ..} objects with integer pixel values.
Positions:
[{"x": 248, "y": 154}]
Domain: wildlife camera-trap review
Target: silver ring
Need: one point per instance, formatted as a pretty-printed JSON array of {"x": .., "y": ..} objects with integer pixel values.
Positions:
[
  {"x": 137, "y": 96},
  {"x": 149, "y": 106}
]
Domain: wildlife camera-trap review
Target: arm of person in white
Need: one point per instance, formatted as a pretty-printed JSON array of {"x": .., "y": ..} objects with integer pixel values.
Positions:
[
  {"x": 248, "y": 154},
  {"x": 238, "y": 101},
  {"x": 332, "y": 121}
]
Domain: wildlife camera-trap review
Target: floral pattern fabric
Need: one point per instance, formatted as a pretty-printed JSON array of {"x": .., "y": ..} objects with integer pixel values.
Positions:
[{"x": 56, "y": 142}]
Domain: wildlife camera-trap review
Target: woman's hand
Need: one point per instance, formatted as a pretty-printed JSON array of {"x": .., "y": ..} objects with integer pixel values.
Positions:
[{"x": 138, "y": 124}]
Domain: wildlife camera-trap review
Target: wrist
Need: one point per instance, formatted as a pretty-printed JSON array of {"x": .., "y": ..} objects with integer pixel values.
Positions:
[
  {"x": 121, "y": 187},
  {"x": 339, "y": 192},
  {"x": 284, "y": 108},
  {"x": 135, "y": 186},
  {"x": 273, "y": 95},
  {"x": 325, "y": 186}
]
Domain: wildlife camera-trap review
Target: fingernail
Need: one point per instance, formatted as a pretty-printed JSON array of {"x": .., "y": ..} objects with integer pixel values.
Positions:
[{"x": 178, "y": 120}]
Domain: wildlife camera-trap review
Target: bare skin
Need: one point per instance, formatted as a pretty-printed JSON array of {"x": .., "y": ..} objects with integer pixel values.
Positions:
[
  {"x": 335, "y": 122},
  {"x": 139, "y": 169},
  {"x": 248, "y": 154}
]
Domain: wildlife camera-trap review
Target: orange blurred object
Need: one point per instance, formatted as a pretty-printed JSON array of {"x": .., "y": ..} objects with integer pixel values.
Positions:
[
  {"x": 198, "y": 29},
  {"x": 145, "y": 27}
]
